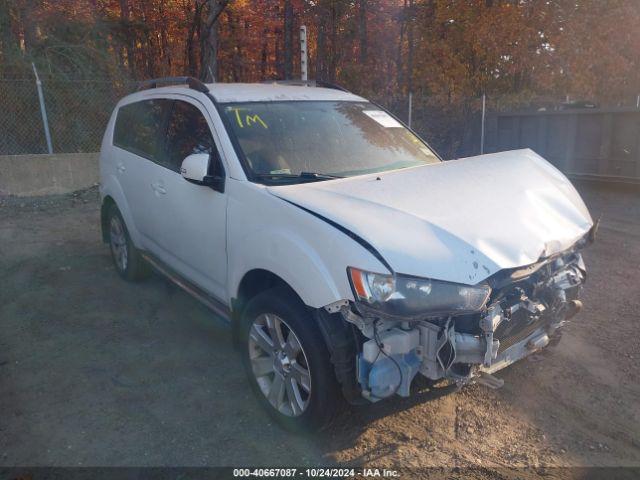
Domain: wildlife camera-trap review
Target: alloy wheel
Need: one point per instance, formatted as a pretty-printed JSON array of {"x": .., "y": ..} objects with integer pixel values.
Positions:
[
  {"x": 279, "y": 365},
  {"x": 118, "y": 241}
]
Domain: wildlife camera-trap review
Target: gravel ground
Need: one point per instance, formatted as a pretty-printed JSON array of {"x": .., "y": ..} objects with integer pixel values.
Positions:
[{"x": 96, "y": 371}]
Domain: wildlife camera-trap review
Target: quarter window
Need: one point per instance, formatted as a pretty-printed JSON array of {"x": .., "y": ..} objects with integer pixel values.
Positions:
[{"x": 138, "y": 125}]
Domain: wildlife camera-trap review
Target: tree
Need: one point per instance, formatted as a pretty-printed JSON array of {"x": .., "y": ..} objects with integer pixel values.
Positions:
[
  {"x": 194, "y": 19},
  {"x": 288, "y": 39},
  {"x": 362, "y": 30},
  {"x": 209, "y": 46},
  {"x": 447, "y": 52},
  {"x": 130, "y": 42}
]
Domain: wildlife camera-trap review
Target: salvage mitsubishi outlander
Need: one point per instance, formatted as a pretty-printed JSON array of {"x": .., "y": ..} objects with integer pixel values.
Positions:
[{"x": 346, "y": 256}]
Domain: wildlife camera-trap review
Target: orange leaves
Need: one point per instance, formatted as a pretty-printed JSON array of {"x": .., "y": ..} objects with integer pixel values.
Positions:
[{"x": 452, "y": 49}]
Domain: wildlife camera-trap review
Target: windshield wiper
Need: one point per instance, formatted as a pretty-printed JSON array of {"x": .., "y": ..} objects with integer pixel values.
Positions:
[
  {"x": 318, "y": 175},
  {"x": 301, "y": 176}
]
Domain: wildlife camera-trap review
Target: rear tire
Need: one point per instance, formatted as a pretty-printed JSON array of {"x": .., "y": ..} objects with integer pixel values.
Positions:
[
  {"x": 126, "y": 257},
  {"x": 287, "y": 361}
]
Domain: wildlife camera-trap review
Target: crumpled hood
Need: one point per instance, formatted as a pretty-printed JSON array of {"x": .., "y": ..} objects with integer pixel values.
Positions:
[{"x": 460, "y": 220}]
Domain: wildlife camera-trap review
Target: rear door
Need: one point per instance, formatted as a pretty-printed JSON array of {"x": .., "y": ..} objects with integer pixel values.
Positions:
[
  {"x": 138, "y": 136},
  {"x": 189, "y": 221}
]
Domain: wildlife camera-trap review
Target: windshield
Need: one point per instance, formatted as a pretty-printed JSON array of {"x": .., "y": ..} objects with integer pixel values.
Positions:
[{"x": 320, "y": 140}]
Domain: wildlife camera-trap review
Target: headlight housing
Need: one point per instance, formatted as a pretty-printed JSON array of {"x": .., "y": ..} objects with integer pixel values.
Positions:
[{"x": 406, "y": 296}]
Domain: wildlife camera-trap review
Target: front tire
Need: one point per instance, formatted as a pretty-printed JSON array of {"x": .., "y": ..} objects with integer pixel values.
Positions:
[
  {"x": 287, "y": 361},
  {"x": 126, "y": 257}
]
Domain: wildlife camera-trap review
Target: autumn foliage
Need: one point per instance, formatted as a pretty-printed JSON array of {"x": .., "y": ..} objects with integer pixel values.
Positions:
[
  {"x": 443, "y": 51},
  {"x": 445, "y": 48}
]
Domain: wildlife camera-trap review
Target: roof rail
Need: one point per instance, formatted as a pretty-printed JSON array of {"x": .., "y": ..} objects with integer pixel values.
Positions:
[
  {"x": 322, "y": 83},
  {"x": 192, "y": 83},
  {"x": 308, "y": 83}
]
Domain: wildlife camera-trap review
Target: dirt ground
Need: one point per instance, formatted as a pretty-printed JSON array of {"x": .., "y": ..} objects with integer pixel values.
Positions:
[{"x": 98, "y": 372}]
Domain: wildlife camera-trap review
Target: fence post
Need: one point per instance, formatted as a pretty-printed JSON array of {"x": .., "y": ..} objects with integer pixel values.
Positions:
[
  {"x": 43, "y": 110},
  {"x": 484, "y": 109},
  {"x": 410, "y": 108},
  {"x": 303, "y": 53}
]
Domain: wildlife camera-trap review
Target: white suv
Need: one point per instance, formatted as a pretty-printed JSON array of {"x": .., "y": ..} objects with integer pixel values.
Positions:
[{"x": 345, "y": 254}]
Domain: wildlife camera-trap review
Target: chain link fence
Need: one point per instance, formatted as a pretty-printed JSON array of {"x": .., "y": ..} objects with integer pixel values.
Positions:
[
  {"x": 453, "y": 129},
  {"x": 77, "y": 112},
  {"x": 21, "y": 128}
]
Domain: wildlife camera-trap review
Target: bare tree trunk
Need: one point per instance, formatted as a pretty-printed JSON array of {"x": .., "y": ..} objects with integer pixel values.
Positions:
[
  {"x": 130, "y": 43},
  {"x": 191, "y": 38},
  {"x": 410, "y": 47},
  {"x": 164, "y": 40},
  {"x": 247, "y": 72},
  {"x": 9, "y": 44},
  {"x": 263, "y": 55},
  {"x": 399, "y": 62},
  {"x": 333, "y": 62},
  {"x": 288, "y": 39},
  {"x": 209, "y": 48},
  {"x": 362, "y": 30},
  {"x": 27, "y": 24},
  {"x": 209, "y": 63},
  {"x": 321, "y": 50},
  {"x": 279, "y": 64},
  {"x": 149, "y": 48},
  {"x": 236, "y": 56}
]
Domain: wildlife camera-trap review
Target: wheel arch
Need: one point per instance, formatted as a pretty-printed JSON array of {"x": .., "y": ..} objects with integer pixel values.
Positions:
[
  {"x": 107, "y": 202},
  {"x": 112, "y": 194},
  {"x": 339, "y": 337},
  {"x": 253, "y": 282}
]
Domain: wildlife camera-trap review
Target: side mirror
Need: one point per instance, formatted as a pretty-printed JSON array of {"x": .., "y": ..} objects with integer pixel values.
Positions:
[
  {"x": 195, "y": 169},
  {"x": 195, "y": 166}
]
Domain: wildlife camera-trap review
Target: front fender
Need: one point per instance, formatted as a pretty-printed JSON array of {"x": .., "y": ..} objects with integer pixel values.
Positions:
[
  {"x": 287, "y": 255},
  {"x": 309, "y": 254}
]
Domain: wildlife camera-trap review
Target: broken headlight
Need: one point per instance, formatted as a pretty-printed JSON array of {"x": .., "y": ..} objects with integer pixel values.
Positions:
[{"x": 402, "y": 295}]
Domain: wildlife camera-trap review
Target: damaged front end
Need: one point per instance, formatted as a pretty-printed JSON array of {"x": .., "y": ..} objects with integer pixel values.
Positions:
[{"x": 486, "y": 328}]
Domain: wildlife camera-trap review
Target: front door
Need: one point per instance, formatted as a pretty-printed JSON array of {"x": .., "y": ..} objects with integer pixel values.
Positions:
[{"x": 189, "y": 221}]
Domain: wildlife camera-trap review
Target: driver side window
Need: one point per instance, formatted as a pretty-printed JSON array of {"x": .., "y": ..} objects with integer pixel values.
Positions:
[{"x": 187, "y": 133}]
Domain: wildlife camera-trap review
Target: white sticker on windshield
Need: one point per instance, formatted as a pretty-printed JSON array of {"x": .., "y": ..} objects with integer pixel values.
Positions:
[{"x": 383, "y": 118}]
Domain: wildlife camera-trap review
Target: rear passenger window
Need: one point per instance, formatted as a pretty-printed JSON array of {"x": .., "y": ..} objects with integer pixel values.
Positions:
[
  {"x": 187, "y": 133},
  {"x": 139, "y": 126}
]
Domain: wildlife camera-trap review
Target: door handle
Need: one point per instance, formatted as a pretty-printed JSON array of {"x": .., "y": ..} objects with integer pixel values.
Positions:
[
  {"x": 121, "y": 168},
  {"x": 159, "y": 188}
]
